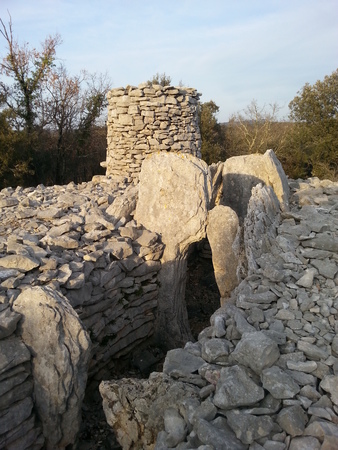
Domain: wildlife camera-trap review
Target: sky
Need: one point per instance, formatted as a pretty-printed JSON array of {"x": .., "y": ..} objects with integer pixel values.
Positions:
[{"x": 231, "y": 51}]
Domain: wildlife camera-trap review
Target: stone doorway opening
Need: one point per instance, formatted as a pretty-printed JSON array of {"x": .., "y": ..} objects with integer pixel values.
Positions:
[{"x": 202, "y": 296}]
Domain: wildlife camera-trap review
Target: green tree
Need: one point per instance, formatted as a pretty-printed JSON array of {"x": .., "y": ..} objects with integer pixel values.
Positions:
[
  {"x": 28, "y": 68},
  {"x": 314, "y": 140},
  {"x": 160, "y": 78},
  {"x": 212, "y": 135}
]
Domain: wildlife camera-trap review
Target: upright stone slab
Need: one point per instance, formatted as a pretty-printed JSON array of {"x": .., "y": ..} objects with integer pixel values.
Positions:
[
  {"x": 242, "y": 173},
  {"x": 174, "y": 193},
  {"x": 61, "y": 350},
  {"x": 222, "y": 233}
]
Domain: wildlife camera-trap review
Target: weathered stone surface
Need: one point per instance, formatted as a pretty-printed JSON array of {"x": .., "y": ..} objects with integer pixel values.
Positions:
[
  {"x": 149, "y": 399},
  {"x": 235, "y": 388},
  {"x": 242, "y": 173},
  {"x": 257, "y": 351},
  {"x": 180, "y": 219},
  {"x": 279, "y": 383},
  {"x": 305, "y": 443},
  {"x": 248, "y": 427},
  {"x": 215, "y": 350},
  {"x": 180, "y": 359},
  {"x": 61, "y": 351},
  {"x": 293, "y": 420},
  {"x": 8, "y": 322},
  {"x": 124, "y": 205},
  {"x": 222, "y": 232},
  {"x": 20, "y": 262},
  {"x": 13, "y": 352},
  {"x": 218, "y": 434},
  {"x": 160, "y": 119},
  {"x": 14, "y": 415},
  {"x": 175, "y": 426},
  {"x": 330, "y": 384}
]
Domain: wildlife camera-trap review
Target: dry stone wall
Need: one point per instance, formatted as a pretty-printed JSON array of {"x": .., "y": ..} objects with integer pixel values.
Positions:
[
  {"x": 62, "y": 240},
  {"x": 146, "y": 119}
]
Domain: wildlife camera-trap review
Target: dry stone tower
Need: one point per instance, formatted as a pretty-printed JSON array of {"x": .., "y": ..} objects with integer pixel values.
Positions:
[{"x": 145, "y": 119}]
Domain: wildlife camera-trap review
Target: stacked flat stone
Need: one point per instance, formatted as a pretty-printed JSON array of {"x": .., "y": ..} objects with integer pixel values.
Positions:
[
  {"x": 106, "y": 266},
  {"x": 19, "y": 426},
  {"x": 146, "y": 119},
  {"x": 264, "y": 375}
]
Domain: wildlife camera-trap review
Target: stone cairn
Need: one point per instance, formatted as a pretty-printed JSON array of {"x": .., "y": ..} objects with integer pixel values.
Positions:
[{"x": 147, "y": 119}]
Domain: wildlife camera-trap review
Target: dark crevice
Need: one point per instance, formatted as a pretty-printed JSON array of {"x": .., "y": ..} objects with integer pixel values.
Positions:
[{"x": 201, "y": 294}]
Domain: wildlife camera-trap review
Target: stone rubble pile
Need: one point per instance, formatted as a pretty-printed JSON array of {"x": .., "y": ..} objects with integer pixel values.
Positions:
[
  {"x": 264, "y": 375},
  {"x": 75, "y": 246},
  {"x": 147, "y": 119}
]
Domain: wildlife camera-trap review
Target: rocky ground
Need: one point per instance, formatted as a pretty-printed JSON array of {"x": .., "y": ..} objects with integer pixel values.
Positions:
[
  {"x": 264, "y": 375},
  {"x": 202, "y": 299}
]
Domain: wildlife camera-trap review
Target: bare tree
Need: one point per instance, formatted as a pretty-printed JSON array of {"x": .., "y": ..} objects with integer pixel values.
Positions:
[{"x": 256, "y": 129}]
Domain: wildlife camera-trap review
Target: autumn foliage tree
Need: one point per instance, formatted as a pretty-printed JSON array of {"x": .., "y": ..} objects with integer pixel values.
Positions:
[{"x": 54, "y": 116}]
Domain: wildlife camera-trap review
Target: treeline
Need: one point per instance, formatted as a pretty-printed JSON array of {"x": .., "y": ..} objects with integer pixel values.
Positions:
[
  {"x": 306, "y": 143},
  {"x": 52, "y": 125}
]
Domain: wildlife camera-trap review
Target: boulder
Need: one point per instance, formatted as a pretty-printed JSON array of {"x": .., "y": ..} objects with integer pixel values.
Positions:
[
  {"x": 223, "y": 237},
  {"x": 60, "y": 347},
  {"x": 173, "y": 201},
  {"x": 138, "y": 410},
  {"x": 242, "y": 173}
]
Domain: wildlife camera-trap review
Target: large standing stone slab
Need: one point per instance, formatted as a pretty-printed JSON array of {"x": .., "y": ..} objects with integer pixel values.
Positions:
[
  {"x": 222, "y": 233},
  {"x": 242, "y": 173},
  {"x": 61, "y": 349},
  {"x": 173, "y": 200}
]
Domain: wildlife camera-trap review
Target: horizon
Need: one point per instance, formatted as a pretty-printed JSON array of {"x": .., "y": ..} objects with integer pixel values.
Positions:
[{"x": 231, "y": 52}]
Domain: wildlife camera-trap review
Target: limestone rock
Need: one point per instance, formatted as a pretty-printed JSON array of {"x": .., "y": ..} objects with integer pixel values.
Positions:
[
  {"x": 135, "y": 409},
  {"x": 61, "y": 351},
  {"x": 330, "y": 384},
  {"x": 8, "y": 322},
  {"x": 242, "y": 173},
  {"x": 165, "y": 208},
  {"x": 20, "y": 262},
  {"x": 248, "y": 427},
  {"x": 13, "y": 352},
  {"x": 235, "y": 388},
  {"x": 223, "y": 237},
  {"x": 279, "y": 383},
  {"x": 218, "y": 434},
  {"x": 124, "y": 205},
  {"x": 257, "y": 351},
  {"x": 293, "y": 420}
]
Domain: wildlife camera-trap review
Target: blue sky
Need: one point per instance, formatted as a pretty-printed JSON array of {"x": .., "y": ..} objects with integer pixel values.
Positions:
[{"x": 230, "y": 51}]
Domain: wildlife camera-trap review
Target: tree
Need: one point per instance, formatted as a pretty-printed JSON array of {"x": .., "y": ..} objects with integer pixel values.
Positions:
[
  {"x": 70, "y": 107},
  {"x": 314, "y": 139},
  {"x": 28, "y": 68},
  {"x": 212, "y": 136},
  {"x": 54, "y": 119},
  {"x": 160, "y": 78},
  {"x": 256, "y": 130}
]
